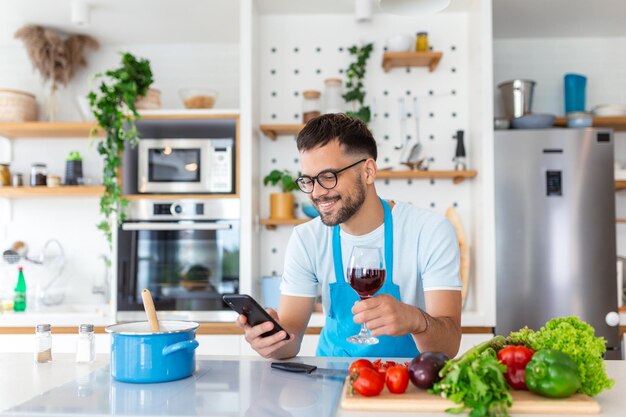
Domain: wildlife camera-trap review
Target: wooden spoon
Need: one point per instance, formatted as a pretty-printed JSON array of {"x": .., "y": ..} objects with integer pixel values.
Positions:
[{"x": 148, "y": 305}]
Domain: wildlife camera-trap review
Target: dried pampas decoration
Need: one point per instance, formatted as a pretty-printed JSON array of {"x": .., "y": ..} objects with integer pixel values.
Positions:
[{"x": 55, "y": 55}]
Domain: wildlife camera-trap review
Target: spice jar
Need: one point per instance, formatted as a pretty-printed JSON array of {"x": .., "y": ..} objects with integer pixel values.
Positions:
[
  {"x": 311, "y": 106},
  {"x": 86, "y": 344},
  {"x": 38, "y": 175},
  {"x": 16, "y": 180},
  {"x": 43, "y": 343},
  {"x": 421, "y": 42},
  {"x": 5, "y": 175},
  {"x": 333, "y": 101}
]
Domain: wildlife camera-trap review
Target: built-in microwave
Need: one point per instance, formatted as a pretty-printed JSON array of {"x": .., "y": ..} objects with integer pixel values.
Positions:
[{"x": 199, "y": 166}]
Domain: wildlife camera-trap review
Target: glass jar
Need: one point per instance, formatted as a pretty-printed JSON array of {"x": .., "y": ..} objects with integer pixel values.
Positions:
[
  {"x": 17, "y": 180},
  {"x": 311, "y": 105},
  {"x": 421, "y": 42},
  {"x": 333, "y": 101},
  {"x": 38, "y": 175},
  {"x": 5, "y": 175},
  {"x": 43, "y": 343},
  {"x": 86, "y": 344}
]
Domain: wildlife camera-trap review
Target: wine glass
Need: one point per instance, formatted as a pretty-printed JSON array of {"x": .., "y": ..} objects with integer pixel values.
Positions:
[{"x": 366, "y": 275}]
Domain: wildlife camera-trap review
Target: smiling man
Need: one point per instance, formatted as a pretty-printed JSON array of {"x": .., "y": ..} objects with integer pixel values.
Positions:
[{"x": 418, "y": 307}]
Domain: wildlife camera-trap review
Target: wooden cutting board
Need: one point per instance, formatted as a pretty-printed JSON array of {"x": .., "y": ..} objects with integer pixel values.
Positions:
[{"x": 415, "y": 399}]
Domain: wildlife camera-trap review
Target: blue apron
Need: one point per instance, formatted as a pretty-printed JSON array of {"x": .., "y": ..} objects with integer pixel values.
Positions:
[{"x": 340, "y": 320}]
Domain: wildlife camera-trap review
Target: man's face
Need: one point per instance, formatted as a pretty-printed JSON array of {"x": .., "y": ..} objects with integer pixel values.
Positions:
[{"x": 340, "y": 203}]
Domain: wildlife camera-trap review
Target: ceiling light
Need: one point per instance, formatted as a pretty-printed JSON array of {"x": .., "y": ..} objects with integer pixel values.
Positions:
[
  {"x": 80, "y": 13},
  {"x": 413, "y": 7},
  {"x": 363, "y": 10}
]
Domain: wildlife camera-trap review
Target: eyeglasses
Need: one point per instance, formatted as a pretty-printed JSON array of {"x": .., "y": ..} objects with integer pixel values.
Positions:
[{"x": 326, "y": 179}]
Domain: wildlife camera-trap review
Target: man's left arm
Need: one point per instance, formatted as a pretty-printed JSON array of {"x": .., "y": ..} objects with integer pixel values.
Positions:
[{"x": 438, "y": 329}]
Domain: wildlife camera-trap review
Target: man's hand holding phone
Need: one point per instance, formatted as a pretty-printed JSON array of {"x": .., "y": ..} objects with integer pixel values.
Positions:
[
  {"x": 261, "y": 327},
  {"x": 256, "y": 335}
]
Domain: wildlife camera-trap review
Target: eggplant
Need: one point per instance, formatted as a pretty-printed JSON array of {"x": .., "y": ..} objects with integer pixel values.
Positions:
[{"x": 424, "y": 369}]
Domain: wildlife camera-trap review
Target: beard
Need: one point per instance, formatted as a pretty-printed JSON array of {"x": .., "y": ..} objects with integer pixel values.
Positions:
[{"x": 351, "y": 204}]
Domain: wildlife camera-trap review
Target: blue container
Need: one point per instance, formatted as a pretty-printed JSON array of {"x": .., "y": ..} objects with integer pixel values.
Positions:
[
  {"x": 141, "y": 356},
  {"x": 574, "y": 86}
]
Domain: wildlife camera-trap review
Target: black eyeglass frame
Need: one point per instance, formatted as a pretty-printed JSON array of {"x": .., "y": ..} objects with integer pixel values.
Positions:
[{"x": 326, "y": 171}]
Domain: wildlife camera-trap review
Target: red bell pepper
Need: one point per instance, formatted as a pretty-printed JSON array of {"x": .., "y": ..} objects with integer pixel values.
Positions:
[{"x": 515, "y": 358}]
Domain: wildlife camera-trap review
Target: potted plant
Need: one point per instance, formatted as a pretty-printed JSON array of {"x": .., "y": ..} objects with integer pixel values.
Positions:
[
  {"x": 354, "y": 85},
  {"x": 113, "y": 105},
  {"x": 282, "y": 204},
  {"x": 73, "y": 168}
]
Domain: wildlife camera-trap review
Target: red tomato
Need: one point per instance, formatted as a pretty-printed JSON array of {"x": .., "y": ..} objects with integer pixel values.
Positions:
[
  {"x": 359, "y": 364},
  {"x": 382, "y": 367},
  {"x": 397, "y": 379},
  {"x": 367, "y": 382}
]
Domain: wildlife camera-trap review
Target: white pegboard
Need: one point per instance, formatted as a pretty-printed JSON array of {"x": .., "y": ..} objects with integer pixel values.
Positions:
[{"x": 298, "y": 53}]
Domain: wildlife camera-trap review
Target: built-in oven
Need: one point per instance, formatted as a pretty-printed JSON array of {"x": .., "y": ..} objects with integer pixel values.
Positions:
[
  {"x": 185, "y": 252},
  {"x": 179, "y": 165}
]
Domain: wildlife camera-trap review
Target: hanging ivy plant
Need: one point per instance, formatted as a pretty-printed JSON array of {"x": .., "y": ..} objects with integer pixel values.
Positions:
[
  {"x": 113, "y": 105},
  {"x": 354, "y": 85}
]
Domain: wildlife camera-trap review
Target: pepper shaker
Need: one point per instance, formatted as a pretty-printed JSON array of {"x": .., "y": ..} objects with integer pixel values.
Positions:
[{"x": 459, "y": 156}]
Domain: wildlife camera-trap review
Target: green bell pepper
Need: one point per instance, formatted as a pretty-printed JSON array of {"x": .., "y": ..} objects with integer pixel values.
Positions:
[{"x": 553, "y": 374}]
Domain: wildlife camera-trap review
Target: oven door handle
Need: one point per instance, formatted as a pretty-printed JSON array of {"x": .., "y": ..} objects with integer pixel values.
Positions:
[{"x": 175, "y": 226}]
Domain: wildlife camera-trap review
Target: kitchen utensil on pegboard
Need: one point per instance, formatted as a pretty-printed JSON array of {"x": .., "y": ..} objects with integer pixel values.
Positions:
[
  {"x": 403, "y": 137},
  {"x": 413, "y": 158},
  {"x": 464, "y": 249}
]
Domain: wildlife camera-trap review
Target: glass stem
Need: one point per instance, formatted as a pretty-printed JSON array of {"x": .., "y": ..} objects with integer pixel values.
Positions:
[{"x": 364, "y": 333}]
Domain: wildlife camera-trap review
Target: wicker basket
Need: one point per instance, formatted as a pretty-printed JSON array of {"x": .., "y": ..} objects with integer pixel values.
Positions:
[
  {"x": 17, "y": 106},
  {"x": 151, "y": 101}
]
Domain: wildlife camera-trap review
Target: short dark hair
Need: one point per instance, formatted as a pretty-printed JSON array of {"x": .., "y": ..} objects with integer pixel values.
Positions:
[{"x": 352, "y": 133}]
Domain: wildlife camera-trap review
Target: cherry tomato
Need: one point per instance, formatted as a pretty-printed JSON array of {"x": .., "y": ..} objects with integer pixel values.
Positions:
[
  {"x": 367, "y": 382},
  {"x": 359, "y": 364},
  {"x": 397, "y": 379}
]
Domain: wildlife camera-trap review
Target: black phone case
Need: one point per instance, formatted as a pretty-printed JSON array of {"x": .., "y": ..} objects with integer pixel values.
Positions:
[{"x": 255, "y": 314}]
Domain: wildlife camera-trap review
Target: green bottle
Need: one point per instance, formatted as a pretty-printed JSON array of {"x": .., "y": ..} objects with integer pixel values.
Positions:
[{"x": 19, "y": 301}]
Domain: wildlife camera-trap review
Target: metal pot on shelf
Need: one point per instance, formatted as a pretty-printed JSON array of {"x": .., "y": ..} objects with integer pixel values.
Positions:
[{"x": 517, "y": 97}]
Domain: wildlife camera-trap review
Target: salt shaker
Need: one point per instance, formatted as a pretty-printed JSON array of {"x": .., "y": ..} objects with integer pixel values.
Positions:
[
  {"x": 86, "y": 344},
  {"x": 43, "y": 343}
]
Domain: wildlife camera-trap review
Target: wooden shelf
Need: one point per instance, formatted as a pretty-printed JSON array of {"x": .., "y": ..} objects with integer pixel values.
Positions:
[
  {"x": 62, "y": 191},
  {"x": 51, "y": 130},
  {"x": 620, "y": 185},
  {"x": 273, "y": 131},
  {"x": 618, "y": 123},
  {"x": 411, "y": 59},
  {"x": 455, "y": 176},
  {"x": 620, "y": 221},
  {"x": 55, "y": 130},
  {"x": 271, "y": 224}
]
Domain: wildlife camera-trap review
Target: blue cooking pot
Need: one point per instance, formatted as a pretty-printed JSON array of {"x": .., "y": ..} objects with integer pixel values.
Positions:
[{"x": 142, "y": 356}]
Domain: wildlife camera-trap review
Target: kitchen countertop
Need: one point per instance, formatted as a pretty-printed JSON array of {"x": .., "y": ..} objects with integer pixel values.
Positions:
[{"x": 220, "y": 386}]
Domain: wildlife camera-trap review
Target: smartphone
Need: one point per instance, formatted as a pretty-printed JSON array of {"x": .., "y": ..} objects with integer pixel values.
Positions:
[{"x": 255, "y": 314}]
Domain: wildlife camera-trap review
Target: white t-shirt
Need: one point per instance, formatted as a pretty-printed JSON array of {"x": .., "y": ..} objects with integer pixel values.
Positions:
[{"x": 425, "y": 255}]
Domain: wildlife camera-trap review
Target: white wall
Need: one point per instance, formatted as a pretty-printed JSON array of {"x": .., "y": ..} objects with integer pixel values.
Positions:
[{"x": 547, "y": 60}]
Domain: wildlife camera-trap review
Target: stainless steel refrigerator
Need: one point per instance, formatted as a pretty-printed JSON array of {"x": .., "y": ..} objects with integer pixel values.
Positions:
[{"x": 555, "y": 229}]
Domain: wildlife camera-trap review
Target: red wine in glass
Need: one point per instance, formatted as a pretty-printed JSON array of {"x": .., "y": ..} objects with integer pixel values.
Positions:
[
  {"x": 366, "y": 281},
  {"x": 366, "y": 275}
]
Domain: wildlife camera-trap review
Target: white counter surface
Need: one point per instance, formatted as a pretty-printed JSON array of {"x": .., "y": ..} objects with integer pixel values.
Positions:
[{"x": 244, "y": 386}]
